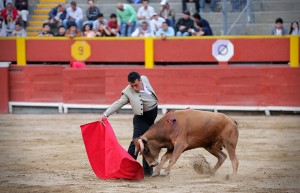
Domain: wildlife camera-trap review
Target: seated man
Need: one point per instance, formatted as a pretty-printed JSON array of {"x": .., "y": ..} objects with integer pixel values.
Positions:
[
  {"x": 190, "y": 1},
  {"x": 184, "y": 24},
  {"x": 22, "y": 7},
  {"x": 200, "y": 30},
  {"x": 143, "y": 31},
  {"x": 113, "y": 26},
  {"x": 73, "y": 31},
  {"x": 92, "y": 13},
  {"x": 74, "y": 16},
  {"x": 279, "y": 30},
  {"x": 145, "y": 12},
  {"x": 103, "y": 31},
  {"x": 61, "y": 31},
  {"x": 10, "y": 11},
  {"x": 19, "y": 31},
  {"x": 126, "y": 18},
  {"x": 165, "y": 31},
  {"x": 46, "y": 31},
  {"x": 197, "y": 18},
  {"x": 156, "y": 22},
  {"x": 57, "y": 15},
  {"x": 211, "y": 7},
  {"x": 167, "y": 12},
  {"x": 99, "y": 22}
]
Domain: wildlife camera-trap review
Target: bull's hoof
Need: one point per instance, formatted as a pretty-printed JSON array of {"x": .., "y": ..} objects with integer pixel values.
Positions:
[
  {"x": 155, "y": 174},
  {"x": 230, "y": 177}
]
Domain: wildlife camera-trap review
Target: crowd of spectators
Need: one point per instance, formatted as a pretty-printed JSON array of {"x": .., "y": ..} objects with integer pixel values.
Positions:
[
  {"x": 13, "y": 17},
  {"x": 126, "y": 21}
]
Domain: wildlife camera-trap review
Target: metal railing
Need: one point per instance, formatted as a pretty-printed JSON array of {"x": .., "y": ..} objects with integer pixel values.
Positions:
[{"x": 244, "y": 10}]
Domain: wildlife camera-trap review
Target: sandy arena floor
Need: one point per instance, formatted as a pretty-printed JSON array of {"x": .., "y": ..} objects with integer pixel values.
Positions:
[{"x": 45, "y": 153}]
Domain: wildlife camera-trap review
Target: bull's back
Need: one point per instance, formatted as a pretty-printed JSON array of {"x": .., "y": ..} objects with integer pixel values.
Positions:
[{"x": 203, "y": 128}]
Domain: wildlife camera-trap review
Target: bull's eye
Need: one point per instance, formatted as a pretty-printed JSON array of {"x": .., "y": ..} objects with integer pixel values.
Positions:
[{"x": 147, "y": 151}]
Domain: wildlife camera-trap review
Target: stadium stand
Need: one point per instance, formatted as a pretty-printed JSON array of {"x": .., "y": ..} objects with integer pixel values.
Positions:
[{"x": 265, "y": 11}]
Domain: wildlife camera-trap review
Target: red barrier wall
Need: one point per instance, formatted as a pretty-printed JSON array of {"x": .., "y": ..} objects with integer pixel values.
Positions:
[
  {"x": 4, "y": 88},
  {"x": 211, "y": 85},
  {"x": 8, "y": 50},
  {"x": 246, "y": 49},
  {"x": 36, "y": 83}
]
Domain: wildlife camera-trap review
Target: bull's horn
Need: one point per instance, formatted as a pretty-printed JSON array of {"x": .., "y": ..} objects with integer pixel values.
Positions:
[
  {"x": 136, "y": 151},
  {"x": 141, "y": 145}
]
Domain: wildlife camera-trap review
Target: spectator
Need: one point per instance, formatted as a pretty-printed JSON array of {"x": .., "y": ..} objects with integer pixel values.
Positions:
[
  {"x": 211, "y": 7},
  {"x": 145, "y": 12},
  {"x": 126, "y": 18},
  {"x": 99, "y": 21},
  {"x": 74, "y": 15},
  {"x": 200, "y": 30},
  {"x": 88, "y": 32},
  {"x": 156, "y": 22},
  {"x": 167, "y": 12},
  {"x": 165, "y": 31},
  {"x": 61, "y": 31},
  {"x": 22, "y": 7},
  {"x": 9, "y": 25},
  {"x": 198, "y": 19},
  {"x": 279, "y": 30},
  {"x": 73, "y": 31},
  {"x": 92, "y": 13},
  {"x": 143, "y": 31},
  {"x": 46, "y": 31},
  {"x": 9, "y": 10},
  {"x": 184, "y": 24},
  {"x": 19, "y": 31},
  {"x": 103, "y": 31},
  {"x": 196, "y": 2},
  {"x": 57, "y": 15},
  {"x": 113, "y": 25},
  {"x": 294, "y": 30}
]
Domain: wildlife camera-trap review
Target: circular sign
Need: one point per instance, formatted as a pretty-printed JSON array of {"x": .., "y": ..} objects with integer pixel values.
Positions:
[
  {"x": 223, "y": 50},
  {"x": 81, "y": 50}
]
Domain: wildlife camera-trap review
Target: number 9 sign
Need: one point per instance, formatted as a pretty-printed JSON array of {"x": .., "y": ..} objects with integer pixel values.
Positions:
[{"x": 81, "y": 50}]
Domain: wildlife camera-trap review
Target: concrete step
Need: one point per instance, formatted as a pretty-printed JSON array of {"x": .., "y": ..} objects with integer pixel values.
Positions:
[
  {"x": 32, "y": 34},
  {"x": 276, "y": 5},
  {"x": 36, "y": 23},
  {"x": 39, "y": 17},
  {"x": 45, "y": 6},
  {"x": 34, "y": 29},
  {"x": 53, "y": 1},
  {"x": 41, "y": 11},
  {"x": 270, "y": 17}
]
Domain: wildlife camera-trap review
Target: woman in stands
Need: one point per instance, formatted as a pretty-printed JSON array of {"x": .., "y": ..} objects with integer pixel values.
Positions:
[
  {"x": 88, "y": 32},
  {"x": 294, "y": 30}
]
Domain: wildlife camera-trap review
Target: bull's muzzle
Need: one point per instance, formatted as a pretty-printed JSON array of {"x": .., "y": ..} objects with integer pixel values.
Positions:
[{"x": 154, "y": 163}]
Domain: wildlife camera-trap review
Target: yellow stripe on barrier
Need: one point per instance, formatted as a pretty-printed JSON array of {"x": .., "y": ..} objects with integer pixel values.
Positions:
[
  {"x": 149, "y": 53},
  {"x": 294, "y": 51},
  {"x": 21, "y": 51}
]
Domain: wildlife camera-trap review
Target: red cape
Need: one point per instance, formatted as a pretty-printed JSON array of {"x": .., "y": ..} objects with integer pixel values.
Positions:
[{"x": 109, "y": 160}]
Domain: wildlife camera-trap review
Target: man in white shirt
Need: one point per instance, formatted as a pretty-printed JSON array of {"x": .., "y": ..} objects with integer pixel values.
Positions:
[
  {"x": 143, "y": 31},
  {"x": 74, "y": 15},
  {"x": 156, "y": 22},
  {"x": 145, "y": 12}
]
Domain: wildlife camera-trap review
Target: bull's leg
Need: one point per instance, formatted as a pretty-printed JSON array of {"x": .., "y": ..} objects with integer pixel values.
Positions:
[
  {"x": 220, "y": 155},
  {"x": 178, "y": 149},
  {"x": 164, "y": 159},
  {"x": 234, "y": 161}
]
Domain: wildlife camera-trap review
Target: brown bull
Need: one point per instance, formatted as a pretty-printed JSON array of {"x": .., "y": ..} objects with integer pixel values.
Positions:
[{"x": 182, "y": 130}]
